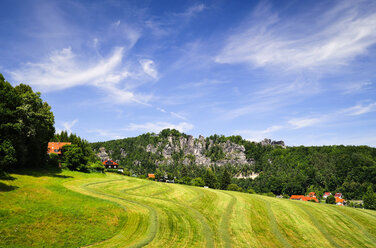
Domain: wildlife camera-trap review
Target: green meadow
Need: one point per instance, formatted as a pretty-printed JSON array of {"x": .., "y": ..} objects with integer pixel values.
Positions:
[{"x": 73, "y": 209}]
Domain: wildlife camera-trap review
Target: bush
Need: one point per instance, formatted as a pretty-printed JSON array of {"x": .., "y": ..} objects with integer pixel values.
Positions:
[
  {"x": 198, "y": 181},
  {"x": 330, "y": 200},
  {"x": 271, "y": 194},
  {"x": 251, "y": 191},
  {"x": 117, "y": 171},
  {"x": 369, "y": 199},
  {"x": 234, "y": 187},
  {"x": 96, "y": 167},
  {"x": 53, "y": 160}
]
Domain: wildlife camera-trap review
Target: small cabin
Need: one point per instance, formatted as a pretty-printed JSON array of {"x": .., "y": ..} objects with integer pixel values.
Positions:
[
  {"x": 151, "y": 176},
  {"x": 312, "y": 194},
  {"x": 110, "y": 164}
]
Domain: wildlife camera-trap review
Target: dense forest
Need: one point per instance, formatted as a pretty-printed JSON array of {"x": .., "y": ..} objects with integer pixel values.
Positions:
[
  {"x": 282, "y": 170},
  {"x": 26, "y": 126}
]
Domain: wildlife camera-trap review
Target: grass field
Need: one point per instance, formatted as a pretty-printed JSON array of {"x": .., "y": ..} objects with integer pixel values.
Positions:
[{"x": 74, "y": 209}]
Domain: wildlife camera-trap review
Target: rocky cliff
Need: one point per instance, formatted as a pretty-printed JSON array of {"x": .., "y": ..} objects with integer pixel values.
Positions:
[{"x": 198, "y": 151}]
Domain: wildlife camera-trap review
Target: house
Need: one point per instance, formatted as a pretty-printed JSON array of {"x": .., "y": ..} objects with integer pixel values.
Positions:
[
  {"x": 56, "y": 147},
  {"x": 326, "y": 194},
  {"x": 110, "y": 164},
  {"x": 303, "y": 198},
  {"x": 339, "y": 195},
  {"x": 312, "y": 194},
  {"x": 151, "y": 176},
  {"x": 340, "y": 201}
]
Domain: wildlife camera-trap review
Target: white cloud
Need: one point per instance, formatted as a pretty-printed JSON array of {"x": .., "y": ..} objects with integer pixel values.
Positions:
[
  {"x": 360, "y": 109},
  {"x": 356, "y": 87},
  {"x": 62, "y": 70},
  {"x": 304, "y": 122},
  {"x": 191, "y": 11},
  {"x": 340, "y": 34},
  {"x": 149, "y": 68},
  {"x": 158, "y": 126},
  {"x": 67, "y": 126},
  {"x": 257, "y": 135}
]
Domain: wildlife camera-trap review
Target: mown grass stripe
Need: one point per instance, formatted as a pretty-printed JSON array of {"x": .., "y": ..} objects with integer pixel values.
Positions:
[
  {"x": 355, "y": 223},
  {"x": 153, "y": 227},
  {"x": 274, "y": 224},
  {"x": 320, "y": 227},
  {"x": 225, "y": 223}
]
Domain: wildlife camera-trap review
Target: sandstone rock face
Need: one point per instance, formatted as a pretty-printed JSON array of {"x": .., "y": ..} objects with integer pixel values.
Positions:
[
  {"x": 103, "y": 154},
  {"x": 197, "y": 149},
  {"x": 266, "y": 142}
]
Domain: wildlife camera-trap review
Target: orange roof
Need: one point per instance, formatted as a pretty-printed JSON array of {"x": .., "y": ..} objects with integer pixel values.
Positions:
[
  {"x": 312, "y": 194},
  {"x": 297, "y": 197},
  {"x": 151, "y": 176},
  {"x": 55, "y": 147},
  {"x": 339, "y": 200},
  {"x": 303, "y": 198},
  {"x": 109, "y": 161}
]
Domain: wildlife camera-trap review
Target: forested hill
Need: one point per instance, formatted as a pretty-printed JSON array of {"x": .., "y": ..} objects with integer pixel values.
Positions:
[{"x": 280, "y": 169}]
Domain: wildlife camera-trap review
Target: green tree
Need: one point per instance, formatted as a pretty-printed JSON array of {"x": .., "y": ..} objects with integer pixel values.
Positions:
[
  {"x": 26, "y": 123},
  {"x": 210, "y": 179},
  {"x": 198, "y": 181},
  {"x": 74, "y": 158},
  {"x": 234, "y": 187},
  {"x": 225, "y": 179},
  {"x": 369, "y": 199},
  {"x": 330, "y": 200}
]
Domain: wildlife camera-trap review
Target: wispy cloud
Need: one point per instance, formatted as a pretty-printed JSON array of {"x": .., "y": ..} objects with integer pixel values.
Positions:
[
  {"x": 64, "y": 69},
  {"x": 149, "y": 68},
  {"x": 355, "y": 87},
  {"x": 193, "y": 10},
  {"x": 257, "y": 135},
  {"x": 67, "y": 126},
  {"x": 305, "y": 122},
  {"x": 360, "y": 109},
  {"x": 158, "y": 126},
  {"x": 268, "y": 40}
]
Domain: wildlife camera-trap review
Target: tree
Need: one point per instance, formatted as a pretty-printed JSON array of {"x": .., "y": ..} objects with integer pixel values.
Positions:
[
  {"x": 330, "y": 200},
  {"x": 198, "y": 182},
  {"x": 369, "y": 199},
  {"x": 234, "y": 187},
  {"x": 26, "y": 124},
  {"x": 74, "y": 158},
  {"x": 225, "y": 179},
  {"x": 210, "y": 179}
]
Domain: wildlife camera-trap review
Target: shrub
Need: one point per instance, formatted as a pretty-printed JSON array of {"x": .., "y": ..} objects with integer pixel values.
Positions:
[
  {"x": 234, "y": 187},
  {"x": 53, "y": 160},
  {"x": 198, "y": 181},
  {"x": 271, "y": 194},
  {"x": 330, "y": 200},
  {"x": 96, "y": 167},
  {"x": 251, "y": 191}
]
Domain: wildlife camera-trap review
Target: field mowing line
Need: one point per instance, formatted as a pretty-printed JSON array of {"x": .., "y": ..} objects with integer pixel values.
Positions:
[
  {"x": 207, "y": 232},
  {"x": 225, "y": 223},
  {"x": 119, "y": 239},
  {"x": 356, "y": 223},
  {"x": 320, "y": 227},
  {"x": 274, "y": 225}
]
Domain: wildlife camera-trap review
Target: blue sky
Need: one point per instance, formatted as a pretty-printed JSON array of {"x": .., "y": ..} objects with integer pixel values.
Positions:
[{"x": 299, "y": 71}]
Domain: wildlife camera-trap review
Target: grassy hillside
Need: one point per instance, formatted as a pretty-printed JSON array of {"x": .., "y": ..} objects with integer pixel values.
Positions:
[{"x": 80, "y": 210}]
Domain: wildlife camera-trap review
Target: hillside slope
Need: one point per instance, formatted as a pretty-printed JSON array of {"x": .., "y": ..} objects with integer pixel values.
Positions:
[
  {"x": 75, "y": 209},
  {"x": 170, "y": 215}
]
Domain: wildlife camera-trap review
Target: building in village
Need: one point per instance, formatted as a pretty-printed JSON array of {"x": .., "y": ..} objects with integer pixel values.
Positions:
[
  {"x": 326, "y": 194},
  {"x": 303, "y": 198},
  {"x": 110, "y": 164},
  {"x": 56, "y": 147}
]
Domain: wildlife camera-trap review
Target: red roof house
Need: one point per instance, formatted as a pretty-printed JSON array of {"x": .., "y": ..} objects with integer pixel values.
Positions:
[
  {"x": 326, "y": 194},
  {"x": 303, "y": 198},
  {"x": 312, "y": 194},
  {"x": 151, "y": 176},
  {"x": 339, "y": 195},
  {"x": 56, "y": 147},
  {"x": 110, "y": 164}
]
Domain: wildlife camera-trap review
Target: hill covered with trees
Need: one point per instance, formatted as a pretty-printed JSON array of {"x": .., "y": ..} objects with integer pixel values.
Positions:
[{"x": 281, "y": 170}]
